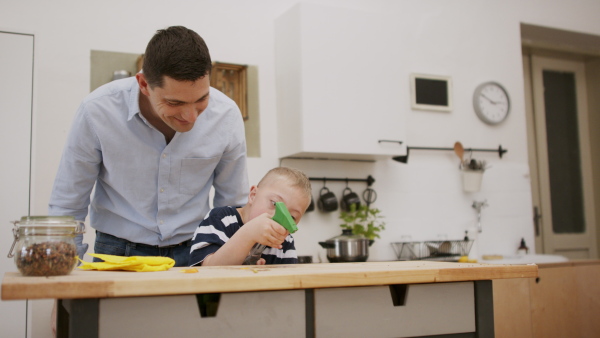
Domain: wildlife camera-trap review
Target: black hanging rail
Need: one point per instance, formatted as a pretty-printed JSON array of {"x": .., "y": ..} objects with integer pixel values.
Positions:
[
  {"x": 404, "y": 159},
  {"x": 369, "y": 180}
]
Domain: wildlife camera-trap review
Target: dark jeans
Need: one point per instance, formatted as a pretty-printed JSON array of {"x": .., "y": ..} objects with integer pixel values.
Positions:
[{"x": 110, "y": 245}]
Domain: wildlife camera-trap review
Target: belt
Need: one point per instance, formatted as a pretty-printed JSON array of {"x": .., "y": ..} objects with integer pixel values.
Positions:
[{"x": 184, "y": 243}]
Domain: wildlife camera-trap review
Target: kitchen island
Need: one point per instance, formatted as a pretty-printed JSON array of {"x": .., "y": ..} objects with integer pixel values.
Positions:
[{"x": 414, "y": 298}]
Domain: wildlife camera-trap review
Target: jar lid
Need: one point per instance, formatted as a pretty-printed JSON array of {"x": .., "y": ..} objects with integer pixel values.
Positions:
[
  {"x": 47, "y": 221},
  {"x": 56, "y": 224}
]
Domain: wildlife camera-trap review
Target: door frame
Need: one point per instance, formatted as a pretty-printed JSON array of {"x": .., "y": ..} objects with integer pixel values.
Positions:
[
  {"x": 546, "y": 241},
  {"x": 533, "y": 158}
]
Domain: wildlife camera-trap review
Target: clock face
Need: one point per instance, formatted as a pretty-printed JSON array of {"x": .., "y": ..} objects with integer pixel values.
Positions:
[{"x": 491, "y": 102}]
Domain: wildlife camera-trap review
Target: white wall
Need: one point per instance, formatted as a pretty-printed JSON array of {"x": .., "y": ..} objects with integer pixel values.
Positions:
[{"x": 471, "y": 40}]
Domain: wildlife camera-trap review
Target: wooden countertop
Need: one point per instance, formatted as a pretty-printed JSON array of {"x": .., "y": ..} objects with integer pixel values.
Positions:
[
  {"x": 579, "y": 262},
  {"x": 107, "y": 284}
]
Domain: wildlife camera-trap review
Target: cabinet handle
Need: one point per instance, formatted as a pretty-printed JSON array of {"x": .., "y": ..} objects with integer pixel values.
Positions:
[
  {"x": 392, "y": 141},
  {"x": 536, "y": 220}
]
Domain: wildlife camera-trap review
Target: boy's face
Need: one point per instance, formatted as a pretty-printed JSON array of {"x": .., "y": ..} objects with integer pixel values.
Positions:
[{"x": 262, "y": 199}]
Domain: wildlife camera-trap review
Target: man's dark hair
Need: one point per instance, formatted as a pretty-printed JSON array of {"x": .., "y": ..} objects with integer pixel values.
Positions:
[{"x": 176, "y": 52}]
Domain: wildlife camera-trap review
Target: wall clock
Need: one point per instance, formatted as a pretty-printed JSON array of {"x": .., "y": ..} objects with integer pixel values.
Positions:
[{"x": 491, "y": 102}]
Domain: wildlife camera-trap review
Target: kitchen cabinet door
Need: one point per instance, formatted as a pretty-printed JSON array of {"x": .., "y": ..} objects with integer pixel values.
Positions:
[
  {"x": 565, "y": 300},
  {"x": 339, "y": 84},
  {"x": 512, "y": 308},
  {"x": 16, "y": 72}
]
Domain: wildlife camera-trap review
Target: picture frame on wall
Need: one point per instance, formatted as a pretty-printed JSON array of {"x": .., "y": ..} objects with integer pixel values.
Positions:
[
  {"x": 231, "y": 79},
  {"x": 431, "y": 92}
]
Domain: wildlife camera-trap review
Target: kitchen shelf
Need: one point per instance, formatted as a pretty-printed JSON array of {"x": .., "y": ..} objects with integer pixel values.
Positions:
[{"x": 432, "y": 250}]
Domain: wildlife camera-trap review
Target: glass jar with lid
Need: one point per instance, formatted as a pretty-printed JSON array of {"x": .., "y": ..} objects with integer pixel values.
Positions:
[{"x": 45, "y": 245}]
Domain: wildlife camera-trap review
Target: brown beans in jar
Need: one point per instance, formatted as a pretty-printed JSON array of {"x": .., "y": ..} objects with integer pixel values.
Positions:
[{"x": 47, "y": 259}]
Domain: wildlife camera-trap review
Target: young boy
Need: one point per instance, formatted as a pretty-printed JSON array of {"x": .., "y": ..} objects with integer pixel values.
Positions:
[{"x": 227, "y": 234}]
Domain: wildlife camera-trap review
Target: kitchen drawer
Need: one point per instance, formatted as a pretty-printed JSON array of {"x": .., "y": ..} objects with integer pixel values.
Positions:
[
  {"x": 246, "y": 314},
  {"x": 424, "y": 309}
]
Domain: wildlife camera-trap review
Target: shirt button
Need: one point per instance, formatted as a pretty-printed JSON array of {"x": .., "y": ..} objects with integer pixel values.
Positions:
[
  {"x": 162, "y": 190},
  {"x": 161, "y": 221},
  {"x": 164, "y": 155}
]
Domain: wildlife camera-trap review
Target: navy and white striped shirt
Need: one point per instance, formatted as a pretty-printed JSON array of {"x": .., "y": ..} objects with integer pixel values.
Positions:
[{"x": 217, "y": 228}]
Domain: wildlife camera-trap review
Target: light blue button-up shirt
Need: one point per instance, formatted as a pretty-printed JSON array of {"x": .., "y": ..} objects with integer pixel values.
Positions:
[{"x": 148, "y": 191}]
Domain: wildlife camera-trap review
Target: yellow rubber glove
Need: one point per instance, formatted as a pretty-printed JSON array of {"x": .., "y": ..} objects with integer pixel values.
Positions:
[{"x": 132, "y": 263}]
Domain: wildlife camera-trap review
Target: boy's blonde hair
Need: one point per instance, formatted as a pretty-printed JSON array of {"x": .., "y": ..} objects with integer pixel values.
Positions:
[{"x": 294, "y": 176}]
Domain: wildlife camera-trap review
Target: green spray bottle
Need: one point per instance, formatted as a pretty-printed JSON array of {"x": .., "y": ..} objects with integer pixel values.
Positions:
[{"x": 283, "y": 217}]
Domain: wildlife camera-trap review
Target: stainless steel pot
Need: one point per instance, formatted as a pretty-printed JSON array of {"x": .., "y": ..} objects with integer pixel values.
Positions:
[{"x": 347, "y": 247}]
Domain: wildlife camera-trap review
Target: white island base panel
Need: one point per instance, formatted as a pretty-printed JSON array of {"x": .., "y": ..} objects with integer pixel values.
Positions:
[
  {"x": 245, "y": 314},
  {"x": 426, "y": 309}
]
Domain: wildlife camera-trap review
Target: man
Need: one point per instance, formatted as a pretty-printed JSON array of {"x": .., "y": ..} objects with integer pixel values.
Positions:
[{"x": 153, "y": 145}]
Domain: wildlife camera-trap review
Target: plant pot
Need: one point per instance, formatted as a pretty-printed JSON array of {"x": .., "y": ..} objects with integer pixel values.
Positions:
[{"x": 471, "y": 180}]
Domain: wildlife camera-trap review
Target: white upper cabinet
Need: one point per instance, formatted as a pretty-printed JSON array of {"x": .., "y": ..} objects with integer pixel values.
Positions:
[{"x": 338, "y": 84}]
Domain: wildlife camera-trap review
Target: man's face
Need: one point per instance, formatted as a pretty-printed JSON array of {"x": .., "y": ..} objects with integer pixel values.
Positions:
[
  {"x": 262, "y": 199},
  {"x": 177, "y": 103}
]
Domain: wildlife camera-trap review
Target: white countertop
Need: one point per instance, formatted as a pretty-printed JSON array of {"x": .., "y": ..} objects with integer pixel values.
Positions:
[{"x": 526, "y": 259}]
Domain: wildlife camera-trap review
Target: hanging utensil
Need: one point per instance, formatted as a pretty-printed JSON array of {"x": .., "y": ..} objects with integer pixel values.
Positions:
[
  {"x": 370, "y": 196},
  {"x": 459, "y": 151}
]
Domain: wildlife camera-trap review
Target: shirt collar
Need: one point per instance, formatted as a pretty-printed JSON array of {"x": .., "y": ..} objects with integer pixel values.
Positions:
[{"x": 134, "y": 102}]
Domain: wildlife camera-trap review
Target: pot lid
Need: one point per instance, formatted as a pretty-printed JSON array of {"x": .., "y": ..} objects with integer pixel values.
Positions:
[{"x": 347, "y": 236}]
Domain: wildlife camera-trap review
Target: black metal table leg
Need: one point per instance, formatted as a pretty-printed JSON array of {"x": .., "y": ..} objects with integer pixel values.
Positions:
[
  {"x": 484, "y": 309},
  {"x": 310, "y": 312},
  {"x": 77, "y": 318}
]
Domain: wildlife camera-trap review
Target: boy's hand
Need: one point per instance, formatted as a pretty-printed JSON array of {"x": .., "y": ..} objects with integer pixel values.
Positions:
[{"x": 266, "y": 231}]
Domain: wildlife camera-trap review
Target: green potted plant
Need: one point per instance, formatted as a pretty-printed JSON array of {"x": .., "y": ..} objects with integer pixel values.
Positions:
[{"x": 363, "y": 220}]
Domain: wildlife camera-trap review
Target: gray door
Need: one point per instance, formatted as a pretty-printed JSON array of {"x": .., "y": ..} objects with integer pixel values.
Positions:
[{"x": 561, "y": 158}]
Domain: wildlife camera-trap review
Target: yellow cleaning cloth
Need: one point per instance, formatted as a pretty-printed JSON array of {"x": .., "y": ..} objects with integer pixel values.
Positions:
[{"x": 132, "y": 263}]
